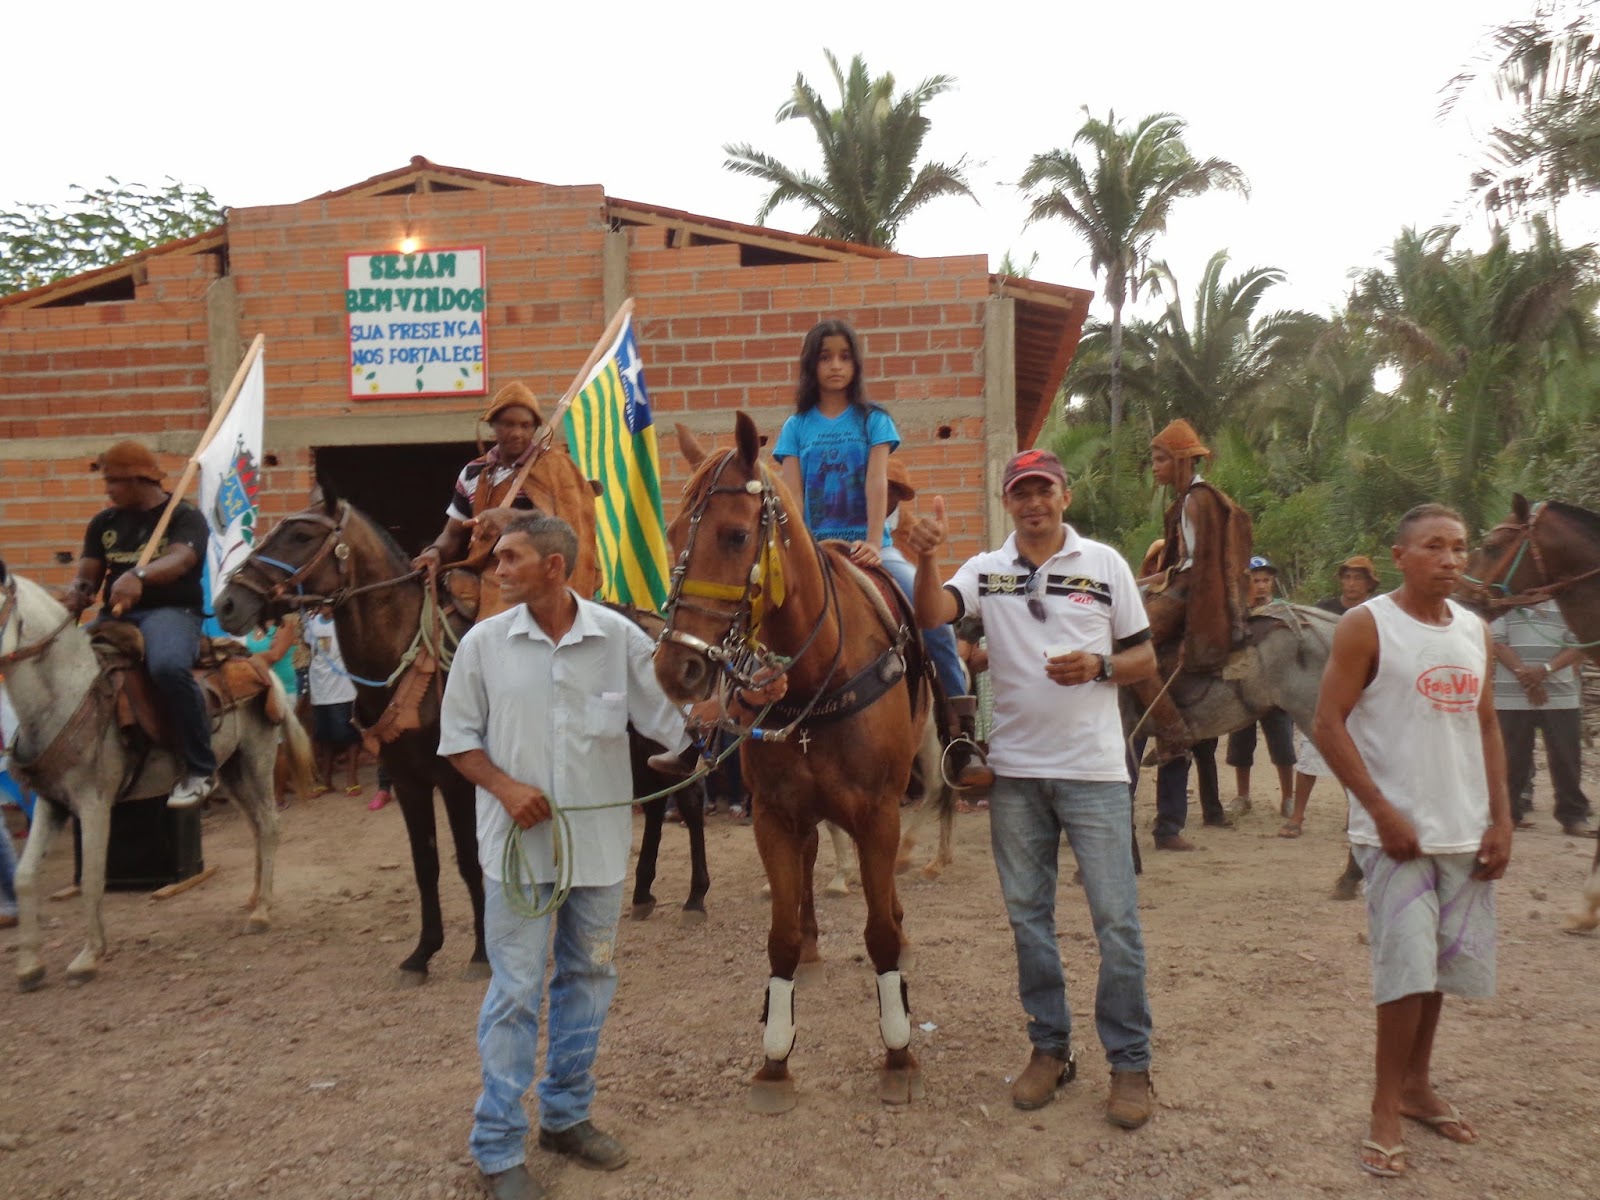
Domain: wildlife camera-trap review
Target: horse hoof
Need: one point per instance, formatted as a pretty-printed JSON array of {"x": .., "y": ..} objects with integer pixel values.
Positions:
[
  {"x": 641, "y": 912},
  {"x": 900, "y": 1085},
  {"x": 82, "y": 976},
  {"x": 405, "y": 980},
  {"x": 771, "y": 1097},
  {"x": 932, "y": 871},
  {"x": 258, "y": 925},
  {"x": 30, "y": 981},
  {"x": 692, "y": 916},
  {"x": 473, "y": 972},
  {"x": 1345, "y": 889},
  {"x": 837, "y": 887},
  {"x": 1582, "y": 924},
  {"x": 807, "y": 974}
]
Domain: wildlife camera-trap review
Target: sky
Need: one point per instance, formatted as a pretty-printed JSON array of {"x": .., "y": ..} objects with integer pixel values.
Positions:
[{"x": 1331, "y": 111}]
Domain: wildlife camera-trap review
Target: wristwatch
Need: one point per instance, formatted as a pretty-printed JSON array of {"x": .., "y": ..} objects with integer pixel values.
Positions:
[
  {"x": 139, "y": 573},
  {"x": 1107, "y": 668}
]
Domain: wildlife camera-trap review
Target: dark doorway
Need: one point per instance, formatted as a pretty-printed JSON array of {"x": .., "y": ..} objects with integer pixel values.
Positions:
[{"x": 403, "y": 488}]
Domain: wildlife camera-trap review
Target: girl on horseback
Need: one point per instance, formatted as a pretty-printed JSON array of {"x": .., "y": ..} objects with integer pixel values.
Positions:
[{"x": 834, "y": 454}]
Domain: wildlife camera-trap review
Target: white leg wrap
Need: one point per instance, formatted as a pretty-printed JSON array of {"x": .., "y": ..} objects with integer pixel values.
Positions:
[
  {"x": 778, "y": 1039},
  {"x": 894, "y": 1015}
]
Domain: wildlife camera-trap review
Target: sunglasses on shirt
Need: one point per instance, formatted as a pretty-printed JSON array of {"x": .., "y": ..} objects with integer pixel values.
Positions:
[{"x": 1035, "y": 604}]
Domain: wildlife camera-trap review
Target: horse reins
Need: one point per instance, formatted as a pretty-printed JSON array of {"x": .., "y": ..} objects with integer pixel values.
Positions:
[{"x": 1495, "y": 591}]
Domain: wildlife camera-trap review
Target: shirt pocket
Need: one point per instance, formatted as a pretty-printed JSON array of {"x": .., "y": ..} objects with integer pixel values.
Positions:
[{"x": 606, "y": 716}]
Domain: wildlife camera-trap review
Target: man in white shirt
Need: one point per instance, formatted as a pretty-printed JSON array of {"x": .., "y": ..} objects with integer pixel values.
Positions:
[
  {"x": 536, "y": 714},
  {"x": 1065, "y": 628},
  {"x": 1406, "y": 721}
]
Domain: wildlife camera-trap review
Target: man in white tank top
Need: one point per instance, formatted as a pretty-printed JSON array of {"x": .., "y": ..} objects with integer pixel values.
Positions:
[{"x": 1406, "y": 721}]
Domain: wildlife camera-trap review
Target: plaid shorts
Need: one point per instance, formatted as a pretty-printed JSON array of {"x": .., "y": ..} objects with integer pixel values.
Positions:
[{"x": 1431, "y": 925}]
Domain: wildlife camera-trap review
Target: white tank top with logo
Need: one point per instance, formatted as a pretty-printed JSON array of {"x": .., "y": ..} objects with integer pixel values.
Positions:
[{"x": 1416, "y": 726}]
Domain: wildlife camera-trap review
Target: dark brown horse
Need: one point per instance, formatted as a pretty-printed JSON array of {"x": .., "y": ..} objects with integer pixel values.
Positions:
[
  {"x": 1545, "y": 551},
  {"x": 333, "y": 552},
  {"x": 750, "y": 589}
]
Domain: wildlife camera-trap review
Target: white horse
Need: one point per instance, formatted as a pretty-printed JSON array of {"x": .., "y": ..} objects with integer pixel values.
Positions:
[{"x": 69, "y": 750}]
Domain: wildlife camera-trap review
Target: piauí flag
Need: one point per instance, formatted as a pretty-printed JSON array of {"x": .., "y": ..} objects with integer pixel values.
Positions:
[
  {"x": 230, "y": 480},
  {"x": 611, "y": 436}
]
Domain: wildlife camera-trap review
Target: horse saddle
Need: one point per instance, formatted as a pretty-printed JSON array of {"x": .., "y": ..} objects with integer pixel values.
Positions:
[{"x": 228, "y": 675}]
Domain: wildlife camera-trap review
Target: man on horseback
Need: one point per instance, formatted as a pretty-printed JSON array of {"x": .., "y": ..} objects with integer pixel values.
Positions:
[
  {"x": 163, "y": 598},
  {"x": 482, "y": 499},
  {"x": 1065, "y": 629},
  {"x": 1198, "y": 601}
]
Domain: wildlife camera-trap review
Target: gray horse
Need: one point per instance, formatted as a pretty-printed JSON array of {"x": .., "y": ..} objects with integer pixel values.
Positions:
[
  {"x": 1281, "y": 668},
  {"x": 68, "y": 749}
]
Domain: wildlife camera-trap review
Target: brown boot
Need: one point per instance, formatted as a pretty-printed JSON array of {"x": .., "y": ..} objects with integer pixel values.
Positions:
[
  {"x": 1129, "y": 1104},
  {"x": 1174, "y": 842},
  {"x": 1037, "y": 1084}
]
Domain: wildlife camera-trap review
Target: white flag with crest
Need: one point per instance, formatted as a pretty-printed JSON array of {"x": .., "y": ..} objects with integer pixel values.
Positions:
[{"x": 230, "y": 479}]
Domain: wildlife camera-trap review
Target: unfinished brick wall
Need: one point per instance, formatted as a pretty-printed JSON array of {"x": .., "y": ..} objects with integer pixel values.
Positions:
[
  {"x": 720, "y": 337},
  {"x": 716, "y": 337},
  {"x": 101, "y": 372}
]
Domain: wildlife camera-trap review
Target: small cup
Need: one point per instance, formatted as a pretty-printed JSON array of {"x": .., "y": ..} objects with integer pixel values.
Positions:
[{"x": 1059, "y": 651}]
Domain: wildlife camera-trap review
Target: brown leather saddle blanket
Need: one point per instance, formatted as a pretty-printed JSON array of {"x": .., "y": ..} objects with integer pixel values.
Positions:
[
  {"x": 228, "y": 675},
  {"x": 905, "y": 661}
]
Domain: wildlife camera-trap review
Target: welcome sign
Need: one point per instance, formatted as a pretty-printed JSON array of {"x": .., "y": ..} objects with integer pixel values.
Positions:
[{"x": 416, "y": 324}]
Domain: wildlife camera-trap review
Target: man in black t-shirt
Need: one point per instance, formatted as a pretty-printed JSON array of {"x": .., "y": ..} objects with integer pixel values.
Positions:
[
  {"x": 1358, "y": 583},
  {"x": 163, "y": 598}
]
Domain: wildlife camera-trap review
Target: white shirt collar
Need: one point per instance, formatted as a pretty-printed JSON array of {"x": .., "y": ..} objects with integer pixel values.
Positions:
[
  {"x": 1072, "y": 545},
  {"x": 523, "y": 624}
]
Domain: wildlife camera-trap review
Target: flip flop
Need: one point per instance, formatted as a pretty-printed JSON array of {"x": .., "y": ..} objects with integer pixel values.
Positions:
[
  {"x": 355, "y": 789},
  {"x": 1437, "y": 1122},
  {"x": 1291, "y": 829},
  {"x": 1386, "y": 1169}
]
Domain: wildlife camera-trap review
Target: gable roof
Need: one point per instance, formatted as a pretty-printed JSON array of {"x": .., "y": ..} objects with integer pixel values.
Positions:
[{"x": 1049, "y": 316}]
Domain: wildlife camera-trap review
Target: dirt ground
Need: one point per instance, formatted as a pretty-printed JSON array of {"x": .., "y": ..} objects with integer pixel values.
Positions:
[{"x": 206, "y": 1063}]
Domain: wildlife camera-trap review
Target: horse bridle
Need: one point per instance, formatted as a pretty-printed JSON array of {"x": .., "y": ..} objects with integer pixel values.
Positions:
[
  {"x": 294, "y": 577},
  {"x": 740, "y": 654},
  {"x": 1494, "y": 591},
  {"x": 34, "y": 650}
]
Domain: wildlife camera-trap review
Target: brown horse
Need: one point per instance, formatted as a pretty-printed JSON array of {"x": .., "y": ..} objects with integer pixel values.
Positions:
[
  {"x": 751, "y": 588},
  {"x": 1545, "y": 551},
  {"x": 331, "y": 552}
]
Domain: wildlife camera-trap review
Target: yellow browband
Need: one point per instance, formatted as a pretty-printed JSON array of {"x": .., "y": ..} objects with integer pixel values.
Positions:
[{"x": 766, "y": 584}]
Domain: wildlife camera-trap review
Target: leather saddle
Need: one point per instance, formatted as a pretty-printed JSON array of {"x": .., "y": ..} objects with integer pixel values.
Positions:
[{"x": 228, "y": 675}]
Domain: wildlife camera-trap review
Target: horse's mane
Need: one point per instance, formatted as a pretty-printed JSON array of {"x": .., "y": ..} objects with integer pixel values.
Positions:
[
  {"x": 699, "y": 480},
  {"x": 391, "y": 548},
  {"x": 1586, "y": 518},
  {"x": 38, "y": 593}
]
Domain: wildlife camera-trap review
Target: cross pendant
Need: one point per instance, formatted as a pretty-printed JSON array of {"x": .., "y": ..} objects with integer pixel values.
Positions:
[{"x": 805, "y": 740}]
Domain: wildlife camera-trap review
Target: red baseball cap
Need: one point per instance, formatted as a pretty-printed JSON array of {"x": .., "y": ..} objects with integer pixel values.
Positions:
[{"x": 1033, "y": 464}]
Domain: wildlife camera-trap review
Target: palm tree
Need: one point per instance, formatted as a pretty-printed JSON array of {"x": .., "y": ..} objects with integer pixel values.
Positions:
[
  {"x": 1119, "y": 200},
  {"x": 1474, "y": 336},
  {"x": 870, "y": 181}
]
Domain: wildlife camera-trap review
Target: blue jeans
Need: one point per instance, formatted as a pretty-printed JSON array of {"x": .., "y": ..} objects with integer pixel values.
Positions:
[
  {"x": 1172, "y": 790},
  {"x": 1026, "y": 820},
  {"x": 941, "y": 640},
  {"x": 171, "y": 644},
  {"x": 8, "y": 872},
  {"x": 585, "y": 979}
]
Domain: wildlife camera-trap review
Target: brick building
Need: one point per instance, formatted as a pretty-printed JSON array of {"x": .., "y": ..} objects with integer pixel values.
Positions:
[{"x": 966, "y": 361}]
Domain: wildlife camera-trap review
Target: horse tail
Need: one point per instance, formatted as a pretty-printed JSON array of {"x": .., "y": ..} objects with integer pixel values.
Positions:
[{"x": 302, "y": 762}]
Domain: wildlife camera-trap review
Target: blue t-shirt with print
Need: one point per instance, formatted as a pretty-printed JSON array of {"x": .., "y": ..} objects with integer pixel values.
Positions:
[{"x": 833, "y": 454}]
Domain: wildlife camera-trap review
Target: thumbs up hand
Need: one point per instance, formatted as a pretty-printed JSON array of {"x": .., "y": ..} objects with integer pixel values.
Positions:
[{"x": 924, "y": 535}]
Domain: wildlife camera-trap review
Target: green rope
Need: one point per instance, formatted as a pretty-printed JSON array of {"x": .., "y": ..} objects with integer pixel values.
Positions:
[{"x": 517, "y": 883}]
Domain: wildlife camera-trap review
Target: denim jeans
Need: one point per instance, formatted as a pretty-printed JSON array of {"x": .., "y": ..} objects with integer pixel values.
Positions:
[
  {"x": 941, "y": 640},
  {"x": 8, "y": 872},
  {"x": 581, "y": 988},
  {"x": 1026, "y": 820},
  {"x": 1172, "y": 790},
  {"x": 171, "y": 644}
]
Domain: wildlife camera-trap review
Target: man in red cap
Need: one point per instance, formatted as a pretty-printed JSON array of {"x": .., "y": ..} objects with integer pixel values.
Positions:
[
  {"x": 163, "y": 597},
  {"x": 553, "y": 485},
  {"x": 1065, "y": 629},
  {"x": 1200, "y": 596}
]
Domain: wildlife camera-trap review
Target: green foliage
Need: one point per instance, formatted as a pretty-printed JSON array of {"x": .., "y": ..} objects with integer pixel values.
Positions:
[
  {"x": 40, "y": 243},
  {"x": 870, "y": 180}
]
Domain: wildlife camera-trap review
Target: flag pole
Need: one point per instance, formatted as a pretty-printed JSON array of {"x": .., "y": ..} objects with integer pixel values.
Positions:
[
  {"x": 193, "y": 465},
  {"x": 614, "y": 328}
]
